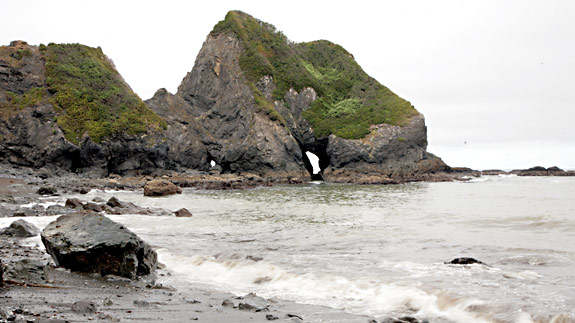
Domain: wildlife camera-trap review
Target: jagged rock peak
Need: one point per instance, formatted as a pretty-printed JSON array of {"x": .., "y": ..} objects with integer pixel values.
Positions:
[{"x": 265, "y": 101}]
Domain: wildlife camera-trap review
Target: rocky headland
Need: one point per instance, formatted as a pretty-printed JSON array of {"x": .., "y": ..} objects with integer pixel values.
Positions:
[{"x": 252, "y": 106}]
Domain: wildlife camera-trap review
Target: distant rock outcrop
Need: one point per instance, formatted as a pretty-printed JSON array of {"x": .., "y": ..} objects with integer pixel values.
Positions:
[{"x": 542, "y": 171}]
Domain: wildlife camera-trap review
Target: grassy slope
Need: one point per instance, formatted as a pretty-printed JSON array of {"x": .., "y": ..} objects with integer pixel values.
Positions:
[
  {"x": 349, "y": 100},
  {"x": 90, "y": 95}
]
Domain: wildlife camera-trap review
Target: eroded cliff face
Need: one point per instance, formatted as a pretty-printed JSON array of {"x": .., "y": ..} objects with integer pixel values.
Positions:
[
  {"x": 388, "y": 154},
  {"x": 220, "y": 108}
]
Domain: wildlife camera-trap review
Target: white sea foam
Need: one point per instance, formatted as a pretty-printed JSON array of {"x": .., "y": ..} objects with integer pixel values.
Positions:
[{"x": 370, "y": 297}]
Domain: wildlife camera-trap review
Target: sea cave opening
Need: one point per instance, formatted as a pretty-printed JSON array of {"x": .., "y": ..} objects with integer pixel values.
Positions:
[{"x": 313, "y": 166}]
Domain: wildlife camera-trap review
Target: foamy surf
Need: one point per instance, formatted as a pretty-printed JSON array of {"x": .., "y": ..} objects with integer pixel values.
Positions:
[{"x": 241, "y": 275}]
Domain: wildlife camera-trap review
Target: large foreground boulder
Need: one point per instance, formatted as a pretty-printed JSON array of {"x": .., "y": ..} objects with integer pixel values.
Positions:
[
  {"x": 89, "y": 242},
  {"x": 20, "y": 229},
  {"x": 161, "y": 187}
]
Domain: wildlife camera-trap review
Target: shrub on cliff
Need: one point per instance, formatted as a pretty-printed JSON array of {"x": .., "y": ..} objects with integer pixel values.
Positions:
[{"x": 91, "y": 97}]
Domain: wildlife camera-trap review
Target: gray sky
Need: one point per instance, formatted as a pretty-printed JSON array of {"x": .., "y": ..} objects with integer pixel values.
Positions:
[{"x": 494, "y": 79}]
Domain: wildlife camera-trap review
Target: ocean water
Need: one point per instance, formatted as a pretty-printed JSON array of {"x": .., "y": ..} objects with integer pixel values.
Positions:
[{"x": 377, "y": 250}]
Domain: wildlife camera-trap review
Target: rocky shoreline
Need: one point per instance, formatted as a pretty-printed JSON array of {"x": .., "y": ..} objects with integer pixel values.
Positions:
[{"x": 34, "y": 289}]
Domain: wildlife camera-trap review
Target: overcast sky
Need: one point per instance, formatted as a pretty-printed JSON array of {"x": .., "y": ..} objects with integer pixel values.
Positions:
[{"x": 494, "y": 79}]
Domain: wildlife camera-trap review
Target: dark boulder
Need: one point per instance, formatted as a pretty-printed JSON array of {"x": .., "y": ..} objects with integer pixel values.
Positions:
[
  {"x": 114, "y": 202},
  {"x": 89, "y": 242},
  {"x": 20, "y": 229},
  {"x": 464, "y": 261},
  {"x": 183, "y": 213},
  {"x": 74, "y": 203},
  {"x": 161, "y": 187},
  {"x": 1, "y": 273},
  {"x": 46, "y": 190},
  {"x": 90, "y": 206}
]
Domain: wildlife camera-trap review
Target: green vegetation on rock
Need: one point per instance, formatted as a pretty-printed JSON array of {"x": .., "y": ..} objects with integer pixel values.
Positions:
[
  {"x": 349, "y": 101},
  {"x": 15, "y": 102},
  {"x": 91, "y": 97}
]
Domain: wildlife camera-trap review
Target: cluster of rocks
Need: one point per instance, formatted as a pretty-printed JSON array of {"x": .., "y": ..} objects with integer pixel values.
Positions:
[{"x": 112, "y": 206}]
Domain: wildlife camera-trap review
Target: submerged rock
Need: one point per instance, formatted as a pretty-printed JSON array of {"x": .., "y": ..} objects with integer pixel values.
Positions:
[
  {"x": 183, "y": 213},
  {"x": 465, "y": 261},
  {"x": 20, "y": 229},
  {"x": 89, "y": 242},
  {"x": 405, "y": 319},
  {"x": 161, "y": 187}
]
